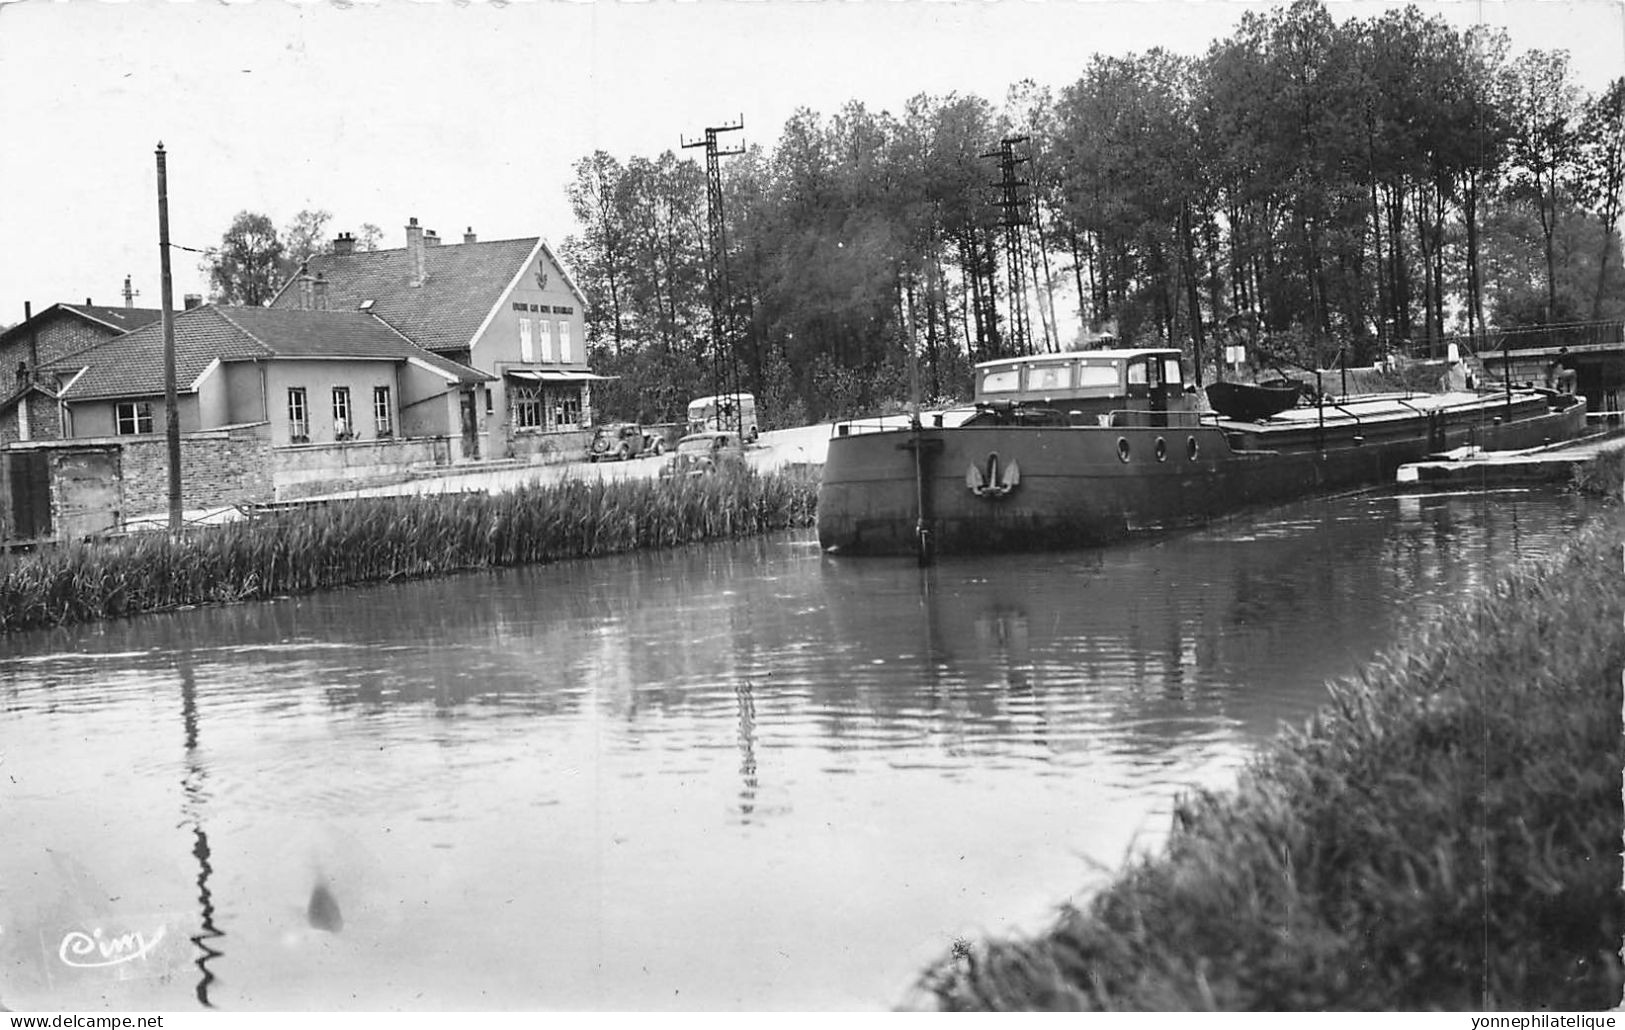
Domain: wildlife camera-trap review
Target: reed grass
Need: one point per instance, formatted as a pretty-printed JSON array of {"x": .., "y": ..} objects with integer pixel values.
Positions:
[
  {"x": 392, "y": 538},
  {"x": 1445, "y": 834},
  {"x": 1601, "y": 476}
]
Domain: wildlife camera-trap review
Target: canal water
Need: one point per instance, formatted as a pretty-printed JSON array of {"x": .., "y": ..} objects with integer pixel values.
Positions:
[{"x": 732, "y": 776}]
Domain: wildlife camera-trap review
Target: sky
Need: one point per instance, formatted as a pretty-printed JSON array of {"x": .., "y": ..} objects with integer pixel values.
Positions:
[{"x": 470, "y": 115}]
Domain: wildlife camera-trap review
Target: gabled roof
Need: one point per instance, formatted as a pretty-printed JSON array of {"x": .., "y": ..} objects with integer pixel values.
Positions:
[
  {"x": 23, "y": 391},
  {"x": 463, "y": 285},
  {"x": 132, "y": 365},
  {"x": 121, "y": 319},
  {"x": 118, "y": 320}
]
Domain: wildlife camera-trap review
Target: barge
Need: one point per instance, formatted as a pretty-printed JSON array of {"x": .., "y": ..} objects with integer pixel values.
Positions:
[{"x": 1083, "y": 448}]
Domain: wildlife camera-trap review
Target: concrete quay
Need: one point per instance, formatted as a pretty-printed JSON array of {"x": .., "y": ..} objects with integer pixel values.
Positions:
[{"x": 1469, "y": 466}]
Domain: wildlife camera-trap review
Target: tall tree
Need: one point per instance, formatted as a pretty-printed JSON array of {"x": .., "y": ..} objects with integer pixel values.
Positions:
[
  {"x": 667, "y": 226},
  {"x": 304, "y": 237},
  {"x": 598, "y": 199},
  {"x": 244, "y": 268},
  {"x": 1544, "y": 145},
  {"x": 1486, "y": 57},
  {"x": 1599, "y": 179}
]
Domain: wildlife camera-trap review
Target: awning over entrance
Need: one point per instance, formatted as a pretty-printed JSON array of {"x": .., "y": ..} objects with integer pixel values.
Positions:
[{"x": 552, "y": 375}]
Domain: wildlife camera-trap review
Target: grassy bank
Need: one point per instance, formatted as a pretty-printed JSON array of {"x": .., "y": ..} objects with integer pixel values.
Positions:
[
  {"x": 1602, "y": 476},
  {"x": 1445, "y": 834},
  {"x": 389, "y": 538}
]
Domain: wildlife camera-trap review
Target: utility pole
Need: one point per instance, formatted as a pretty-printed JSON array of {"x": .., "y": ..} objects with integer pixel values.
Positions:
[
  {"x": 172, "y": 415},
  {"x": 724, "y": 361},
  {"x": 1013, "y": 217}
]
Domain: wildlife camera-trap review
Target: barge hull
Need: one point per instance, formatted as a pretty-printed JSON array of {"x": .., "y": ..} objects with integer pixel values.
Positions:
[{"x": 991, "y": 488}]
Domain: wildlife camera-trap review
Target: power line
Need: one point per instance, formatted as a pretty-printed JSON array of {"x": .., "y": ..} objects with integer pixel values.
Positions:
[
  {"x": 724, "y": 359},
  {"x": 1013, "y": 218}
]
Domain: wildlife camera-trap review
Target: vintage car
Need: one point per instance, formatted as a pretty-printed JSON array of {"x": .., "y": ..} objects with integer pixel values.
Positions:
[
  {"x": 618, "y": 441},
  {"x": 698, "y": 454}
]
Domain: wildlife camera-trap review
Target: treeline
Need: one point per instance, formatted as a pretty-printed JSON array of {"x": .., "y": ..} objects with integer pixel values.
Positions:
[
  {"x": 253, "y": 259},
  {"x": 1326, "y": 185}
]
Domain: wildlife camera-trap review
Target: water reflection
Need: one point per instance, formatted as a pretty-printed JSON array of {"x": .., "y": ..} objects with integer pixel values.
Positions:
[
  {"x": 192, "y": 791},
  {"x": 747, "y": 750},
  {"x": 734, "y": 776}
]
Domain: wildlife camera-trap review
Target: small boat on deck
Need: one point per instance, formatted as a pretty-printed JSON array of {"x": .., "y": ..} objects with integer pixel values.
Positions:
[
  {"x": 1251, "y": 402},
  {"x": 1082, "y": 448}
]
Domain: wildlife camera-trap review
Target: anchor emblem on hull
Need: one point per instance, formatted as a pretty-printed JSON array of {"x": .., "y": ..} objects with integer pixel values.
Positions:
[{"x": 992, "y": 481}]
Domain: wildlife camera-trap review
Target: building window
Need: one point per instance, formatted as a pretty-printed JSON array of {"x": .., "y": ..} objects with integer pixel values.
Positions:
[
  {"x": 564, "y": 342},
  {"x": 544, "y": 329},
  {"x": 567, "y": 410},
  {"x": 527, "y": 345},
  {"x": 298, "y": 415},
  {"x": 343, "y": 420},
  {"x": 526, "y": 405},
  {"x": 132, "y": 417},
  {"x": 382, "y": 422}
]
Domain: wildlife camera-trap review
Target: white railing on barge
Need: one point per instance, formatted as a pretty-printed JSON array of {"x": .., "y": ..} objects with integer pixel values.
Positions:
[{"x": 946, "y": 418}]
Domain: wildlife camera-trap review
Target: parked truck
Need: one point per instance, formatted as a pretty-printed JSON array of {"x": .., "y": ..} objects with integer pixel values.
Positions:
[{"x": 729, "y": 412}]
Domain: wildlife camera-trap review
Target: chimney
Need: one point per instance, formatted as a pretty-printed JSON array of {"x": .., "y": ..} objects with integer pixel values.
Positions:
[
  {"x": 468, "y": 235},
  {"x": 307, "y": 289},
  {"x": 417, "y": 269},
  {"x": 194, "y": 300},
  {"x": 129, "y": 293},
  {"x": 321, "y": 292},
  {"x": 431, "y": 238},
  {"x": 344, "y": 245}
]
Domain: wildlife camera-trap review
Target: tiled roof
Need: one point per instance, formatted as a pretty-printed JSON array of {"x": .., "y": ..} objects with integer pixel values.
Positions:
[
  {"x": 464, "y": 282},
  {"x": 293, "y": 333},
  {"x": 122, "y": 319},
  {"x": 119, "y": 320},
  {"x": 132, "y": 365}
]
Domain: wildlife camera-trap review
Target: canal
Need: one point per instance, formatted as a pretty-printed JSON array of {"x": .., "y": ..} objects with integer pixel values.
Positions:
[{"x": 734, "y": 776}]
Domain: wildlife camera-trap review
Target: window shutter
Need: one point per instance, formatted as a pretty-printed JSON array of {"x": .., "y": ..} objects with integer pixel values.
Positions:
[{"x": 548, "y": 351}]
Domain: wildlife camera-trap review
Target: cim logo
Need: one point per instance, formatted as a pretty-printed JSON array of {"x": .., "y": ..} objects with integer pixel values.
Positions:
[{"x": 95, "y": 950}]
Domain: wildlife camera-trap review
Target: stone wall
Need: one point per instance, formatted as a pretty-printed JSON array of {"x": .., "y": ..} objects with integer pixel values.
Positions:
[
  {"x": 547, "y": 448},
  {"x": 219, "y": 467},
  {"x": 230, "y": 465},
  {"x": 304, "y": 470}
]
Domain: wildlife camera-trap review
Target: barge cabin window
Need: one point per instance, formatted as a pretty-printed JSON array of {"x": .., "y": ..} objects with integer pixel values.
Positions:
[
  {"x": 1001, "y": 380},
  {"x": 1049, "y": 376},
  {"x": 1080, "y": 376}
]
